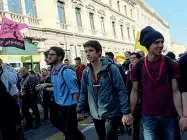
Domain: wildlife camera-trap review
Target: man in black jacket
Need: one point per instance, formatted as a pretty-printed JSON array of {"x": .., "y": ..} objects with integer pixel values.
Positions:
[
  {"x": 28, "y": 94},
  {"x": 10, "y": 115}
]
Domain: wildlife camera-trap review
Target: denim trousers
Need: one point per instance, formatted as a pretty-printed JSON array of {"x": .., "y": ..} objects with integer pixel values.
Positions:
[
  {"x": 153, "y": 125},
  {"x": 184, "y": 135}
]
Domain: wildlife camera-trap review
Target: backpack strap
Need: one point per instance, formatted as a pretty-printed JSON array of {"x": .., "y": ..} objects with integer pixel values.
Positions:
[
  {"x": 139, "y": 66},
  {"x": 168, "y": 68},
  {"x": 63, "y": 71},
  {"x": 87, "y": 73},
  {"x": 78, "y": 82},
  {"x": 109, "y": 70}
]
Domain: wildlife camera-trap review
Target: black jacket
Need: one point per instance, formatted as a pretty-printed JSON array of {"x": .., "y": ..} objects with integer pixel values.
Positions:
[
  {"x": 183, "y": 73},
  {"x": 9, "y": 108}
]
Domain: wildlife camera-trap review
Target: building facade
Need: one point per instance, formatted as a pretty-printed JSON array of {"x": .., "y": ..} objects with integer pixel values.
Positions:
[
  {"x": 70, "y": 23},
  {"x": 178, "y": 48}
]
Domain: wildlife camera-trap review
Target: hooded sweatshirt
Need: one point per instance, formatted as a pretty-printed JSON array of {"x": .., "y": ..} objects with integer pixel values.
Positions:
[{"x": 9, "y": 79}]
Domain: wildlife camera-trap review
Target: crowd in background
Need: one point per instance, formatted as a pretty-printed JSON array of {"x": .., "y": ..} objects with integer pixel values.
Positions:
[{"x": 143, "y": 91}]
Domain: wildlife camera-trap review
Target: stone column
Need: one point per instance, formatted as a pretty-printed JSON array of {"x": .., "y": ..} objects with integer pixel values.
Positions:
[
  {"x": 23, "y": 7},
  {"x": 5, "y": 5}
]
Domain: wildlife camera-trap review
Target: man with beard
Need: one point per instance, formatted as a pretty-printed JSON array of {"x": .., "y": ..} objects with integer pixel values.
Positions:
[
  {"x": 48, "y": 87},
  {"x": 66, "y": 93}
]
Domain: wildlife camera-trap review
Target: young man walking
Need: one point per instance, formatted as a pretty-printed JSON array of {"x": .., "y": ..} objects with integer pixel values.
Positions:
[
  {"x": 157, "y": 76},
  {"x": 66, "y": 93},
  {"x": 103, "y": 87}
]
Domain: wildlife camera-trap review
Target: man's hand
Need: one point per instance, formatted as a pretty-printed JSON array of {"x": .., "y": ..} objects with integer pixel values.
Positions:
[
  {"x": 40, "y": 87},
  {"x": 76, "y": 97},
  {"x": 183, "y": 123},
  {"x": 2, "y": 65},
  {"x": 80, "y": 117},
  {"x": 21, "y": 93},
  {"x": 128, "y": 119}
]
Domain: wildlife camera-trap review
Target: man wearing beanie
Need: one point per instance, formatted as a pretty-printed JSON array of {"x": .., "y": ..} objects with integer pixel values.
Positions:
[{"x": 156, "y": 76}]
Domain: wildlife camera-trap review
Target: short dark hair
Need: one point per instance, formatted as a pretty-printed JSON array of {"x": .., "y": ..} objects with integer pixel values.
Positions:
[
  {"x": 181, "y": 54},
  {"x": 46, "y": 53},
  {"x": 171, "y": 55},
  {"x": 110, "y": 54},
  {"x": 32, "y": 72},
  {"x": 77, "y": 58},
  {"x": 128, "y": 52},
  {"x": 138, "y": 56},
  {"x": 94, "y": 44},
  {"x": 59, "y": 51},
  {"x": 141, "y": 52},
  {"x": 66, "y": 59}
]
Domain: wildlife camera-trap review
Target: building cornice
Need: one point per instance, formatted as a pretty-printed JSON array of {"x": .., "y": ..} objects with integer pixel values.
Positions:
[
  {"x": 153, "y": 13},
  {"x": 107, "y": 6},
  {"x": 101, "y": 12},
  {"x": 35, "y": 34},
  {"x": 48, "y": 30},
  {"x": 77, "y": 2},
  {"x": 90, "y": 7},
  {"x": 131, "y": 2}
]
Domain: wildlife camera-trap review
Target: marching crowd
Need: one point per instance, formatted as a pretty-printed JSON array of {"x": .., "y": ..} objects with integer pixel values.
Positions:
[{"x": 147, "y": 92}]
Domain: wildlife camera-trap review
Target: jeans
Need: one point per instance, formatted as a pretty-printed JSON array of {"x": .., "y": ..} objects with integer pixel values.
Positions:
[
  {"x": 107, "y": 129},
  {"x": 153, "y": 125},
  {"x": 184, "y": 135}
]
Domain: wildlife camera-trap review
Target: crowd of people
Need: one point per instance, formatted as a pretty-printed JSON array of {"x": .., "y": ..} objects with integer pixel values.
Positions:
[{"x": 148, "y": 92}]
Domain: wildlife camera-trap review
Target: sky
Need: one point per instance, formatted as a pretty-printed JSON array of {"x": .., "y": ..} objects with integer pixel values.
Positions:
[{"x": 173, "y": 12}]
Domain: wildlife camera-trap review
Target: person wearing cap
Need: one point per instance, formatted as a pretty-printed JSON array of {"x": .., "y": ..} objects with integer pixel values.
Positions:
[{"x": 159, "y": 93}]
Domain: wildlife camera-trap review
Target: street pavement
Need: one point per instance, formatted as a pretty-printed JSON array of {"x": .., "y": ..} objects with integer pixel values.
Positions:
[{"x": 48, "y": 132}]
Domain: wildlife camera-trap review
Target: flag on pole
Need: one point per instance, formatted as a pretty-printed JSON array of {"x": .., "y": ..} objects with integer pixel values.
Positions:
[
  {"x": 138, "y": 45},
  {"x": 120, "y": 58},
  {"x": 10, "y": 35}
]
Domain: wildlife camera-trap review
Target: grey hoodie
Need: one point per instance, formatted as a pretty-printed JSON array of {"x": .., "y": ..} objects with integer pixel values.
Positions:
[{"x": 9, "y": 79}]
